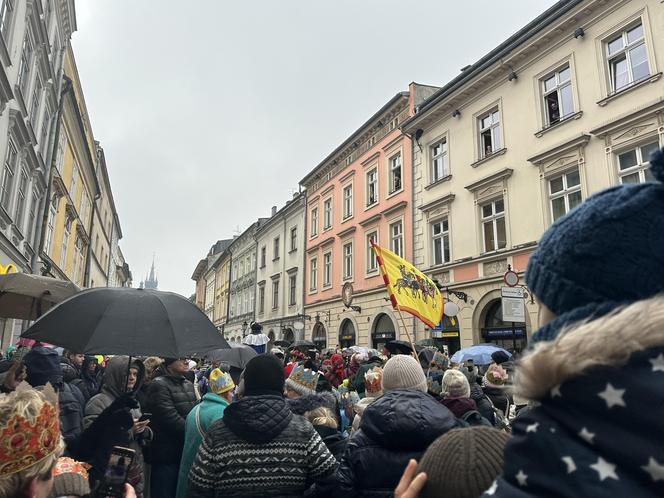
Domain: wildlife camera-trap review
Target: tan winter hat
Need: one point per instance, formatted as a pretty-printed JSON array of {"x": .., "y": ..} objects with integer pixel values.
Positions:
[{"x": 403, "y": 372}]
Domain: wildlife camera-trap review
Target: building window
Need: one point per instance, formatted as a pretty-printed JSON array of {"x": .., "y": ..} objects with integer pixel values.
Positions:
[
  {"x": 292, "y": 290},
  {"x": 395, "y": 174},
  {"x": 263, "y": 256},
  {"x": 348, "y": 260},
  {"x": 440, "y": 238},
  {"x": 275, "y": 294},
  {"x": 493, "y": 225},
  {"x": 440, "y": 167},
  {"x": 314, "y": 222},
  {"x": 276, "y": 249},
  {"x": 61, "y": 153},
  {"x": 32, "y": 215},
  {"x": 85, "y": 208},
  {"x": 327, "y": 269},
  {"x": 327, "y": 214},
  {"x": 557, "y": 93},
  {"x": 372, "y": 260},
  {"x": 65, "y": 243},
  {"x": 8, "y": 175},
  {"x": 489, "y": 124},
  {"x": 34, "y": 104},
  {"x": 50, "y": 227},
  {"x": 293, "y": 239},
  {"x": 261, "y": 298},
  {"x": 313, "y": 274},
  {"x": 6, "y": 12},
  {"x": 564, "y": 193},
  {"x": 73, "y": 183},
  {"x": 633, "y": 165},
  {"x": 24, "y": 63},
  {"x": 372, "y": 187},
  {"x": 20, "y": 198},
  {"x": 348, "y": 201},
  {"x": 627, "y": 57},
  {"x": 44, "y": 131},
  {"x": 396, "y": 238}
]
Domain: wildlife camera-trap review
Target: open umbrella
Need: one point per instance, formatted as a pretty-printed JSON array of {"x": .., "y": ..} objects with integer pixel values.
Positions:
[
  {"x": 400, "y": 347},
  {"x": 27, "y": 297},
  {"x": 237, "y": 356},
  {"x": 124, "y": 321},
  {"x": 480, "y": 354},
  {"x": 282, "y": 344},
  {"x": 303, "y": 345}
]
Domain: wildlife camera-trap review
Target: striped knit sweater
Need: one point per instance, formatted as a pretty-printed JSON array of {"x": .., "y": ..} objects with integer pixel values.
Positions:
[{"x": 260, "y": 448}]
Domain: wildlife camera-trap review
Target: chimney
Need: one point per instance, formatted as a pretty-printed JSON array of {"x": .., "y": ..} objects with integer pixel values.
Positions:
[{"x": 274, "y": 210}]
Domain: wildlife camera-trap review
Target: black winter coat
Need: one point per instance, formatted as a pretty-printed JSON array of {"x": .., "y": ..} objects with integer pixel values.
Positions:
[
  {"x": 482, "y": 402},
  {"x": 398, "y": 426},
  {"x": 170, "y": 399}
]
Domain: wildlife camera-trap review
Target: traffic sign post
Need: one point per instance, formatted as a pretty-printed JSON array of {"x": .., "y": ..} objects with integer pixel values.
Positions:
[{"x": 513, "y": 307}]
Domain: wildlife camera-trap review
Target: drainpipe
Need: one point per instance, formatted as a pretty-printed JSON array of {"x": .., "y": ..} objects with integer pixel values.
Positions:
[
  {"x": 88, "y": 259},
  {"x": 413, "y": 209}
]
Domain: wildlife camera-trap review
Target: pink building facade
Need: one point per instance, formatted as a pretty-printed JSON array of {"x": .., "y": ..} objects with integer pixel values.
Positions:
[{"x": 361, "y": 191}]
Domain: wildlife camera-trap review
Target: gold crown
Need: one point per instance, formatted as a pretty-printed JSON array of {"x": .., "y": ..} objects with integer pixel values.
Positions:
[{"x": 24, "y": 443}]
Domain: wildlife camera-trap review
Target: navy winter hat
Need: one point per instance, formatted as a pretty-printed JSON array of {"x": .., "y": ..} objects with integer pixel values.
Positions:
[
  {"x": 42, "y": 365},
  {"x": 264, "y": 374},
  {"x": 606, "y": 252}
]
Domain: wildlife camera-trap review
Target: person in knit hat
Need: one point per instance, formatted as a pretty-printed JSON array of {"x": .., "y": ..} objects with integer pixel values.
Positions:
[
  {"x": 261, "y": 428},
  {"x": 463, "y": 463},
  {"x": 593, "y": 374},
  {"x": 493, "y": 385},
  {"x": 456, "y": 394},
  {"x": 70, "y": 478},
  {"x": 211, "y": 408},
  {"x": 394, "y": 428}
]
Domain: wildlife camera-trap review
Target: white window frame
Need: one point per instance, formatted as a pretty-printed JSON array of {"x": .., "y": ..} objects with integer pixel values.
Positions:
[
  {"x": 444, "y": 237},
  {"x": 292, "y": 290},
  {"x": 327, "y": 269},
  {"x": 494, "y": 129},
  {"x": 395, "y": 163},
  {"x": 263, "y": 256},
  {"x": 313, "y": 226},
  {"x": 35, "y": 102},
  {"x": 276, "y": 253},
  {"x": 347, "y": 194},
  {"x": 8, "y": 175},
  {"x": 66, "y": 233},
  {"x": 560, "y": 86},
  {"x": 369, "y": 183},
  {"x": 50, "y": 228},
  {"x": 261, "y": 298},
  {"x": 642, "y": 163},
  {"x": 313, "y": 273},
  {"x": 625, "y": 53},
  {"x": 327, "y": 213},
  {"x": 347, "y": 258},
  {"x": 6, "y": 17},
  {"x": 25, "y": 62},
  {"x": 275, "y": 293},
  {"x": 293, "y": 239},
  {"x": 396, "y": 240},
  {"x": 493, "y": 220},
  {"x": 439, "y": 161},
  {"x": 32, "y": 215},
  {"x": 21, "y": 194},
  {"x": 371, "y": 261},
  {"x": 73, "y": 184},
  {"x": 565, "y": 192}
]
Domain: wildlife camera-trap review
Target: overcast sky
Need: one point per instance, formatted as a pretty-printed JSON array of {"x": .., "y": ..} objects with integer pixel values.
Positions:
[{"x": 211, "y": 111}]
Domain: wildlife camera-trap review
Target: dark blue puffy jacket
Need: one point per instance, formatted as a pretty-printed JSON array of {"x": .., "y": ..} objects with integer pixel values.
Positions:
[{"x": 398, "y": 426}]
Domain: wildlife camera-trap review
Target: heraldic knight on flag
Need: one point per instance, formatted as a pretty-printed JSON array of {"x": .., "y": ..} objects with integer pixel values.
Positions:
[{"x": 410, "y": 290}]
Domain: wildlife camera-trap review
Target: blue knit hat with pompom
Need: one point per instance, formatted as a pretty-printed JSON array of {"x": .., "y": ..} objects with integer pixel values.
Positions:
[{"x": 606, "y": 252}]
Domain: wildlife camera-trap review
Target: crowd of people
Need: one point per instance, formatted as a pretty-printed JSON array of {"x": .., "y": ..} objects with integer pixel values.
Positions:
[{"x": 359, "y": 422}]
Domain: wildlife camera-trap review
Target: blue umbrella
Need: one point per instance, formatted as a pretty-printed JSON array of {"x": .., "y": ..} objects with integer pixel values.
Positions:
[{"x": 480, "y": 354}]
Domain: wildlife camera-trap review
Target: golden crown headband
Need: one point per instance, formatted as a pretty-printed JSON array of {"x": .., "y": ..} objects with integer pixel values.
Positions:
[{"x": 24, "y": 443}]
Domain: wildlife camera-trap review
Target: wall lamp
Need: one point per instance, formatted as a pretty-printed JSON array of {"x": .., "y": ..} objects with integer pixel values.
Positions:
[
  {"x": 578, "y": 33},
  {"x": 512, "y": 76},
  {"x": 456, "y": 113},
  {"x": 418, "y": 134}
]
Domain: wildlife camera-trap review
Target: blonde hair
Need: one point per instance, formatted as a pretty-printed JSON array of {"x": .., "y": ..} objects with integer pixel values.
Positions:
[
  {"x": 150, "y": 364},
  {"x": 322, "y": 416},
  {"x": 26, "y": 403}
]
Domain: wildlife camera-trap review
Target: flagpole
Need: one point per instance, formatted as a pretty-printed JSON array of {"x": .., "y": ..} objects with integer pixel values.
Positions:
[{"x": 403, "y": 323}]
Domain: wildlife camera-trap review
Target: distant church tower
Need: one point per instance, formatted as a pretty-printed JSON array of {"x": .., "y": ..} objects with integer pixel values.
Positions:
[{"x": 151, "y": 281}]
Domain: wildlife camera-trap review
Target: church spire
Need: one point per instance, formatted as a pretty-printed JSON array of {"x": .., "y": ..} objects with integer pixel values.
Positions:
[{"x": 151, "y": 282}]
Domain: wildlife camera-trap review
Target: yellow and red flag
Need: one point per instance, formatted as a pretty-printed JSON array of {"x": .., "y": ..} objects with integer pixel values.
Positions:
[{"x": 410, "y": 290}]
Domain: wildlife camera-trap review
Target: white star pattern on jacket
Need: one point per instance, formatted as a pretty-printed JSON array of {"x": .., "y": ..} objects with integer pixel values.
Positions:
[
  {"x": 492, "y": 489},
  {"x": 657, "y": 363},
  {"x": 587, "y": 436},
  {"x": 612, "y": 396},
  {"x": 655, "y": 469},
  {"x": 522, "y": 478},
  {"x": 556, "y": 391},
  {"x": 532, "y": 427},
  {"x": 605, "y": 469},
  {"x": 569, "y": 461}
]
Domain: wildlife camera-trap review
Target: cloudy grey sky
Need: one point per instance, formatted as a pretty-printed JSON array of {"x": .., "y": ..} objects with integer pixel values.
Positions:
[{"x": 211, "y": 111}]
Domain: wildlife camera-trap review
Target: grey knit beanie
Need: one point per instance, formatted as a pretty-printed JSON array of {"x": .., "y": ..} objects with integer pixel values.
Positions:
[
  {"x": 455, "y": 385},
  {"x": 403, "y": 372},
  {"x": 463, "y": 462}
]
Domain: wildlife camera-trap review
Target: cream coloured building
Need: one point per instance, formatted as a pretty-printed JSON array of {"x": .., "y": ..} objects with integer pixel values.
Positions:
[{"x": 571, "y": 104}]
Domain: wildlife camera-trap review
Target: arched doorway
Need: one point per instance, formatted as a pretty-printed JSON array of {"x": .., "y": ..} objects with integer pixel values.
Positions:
[
  {"x": 270, "y": 334},
  {"x": 319, "y": 336},
  {"x": 288, "y": 335},
  {"x": 507, "y": 335},
  {"x": 383, "y": 331},
  {"x": 347, "y": 334}
]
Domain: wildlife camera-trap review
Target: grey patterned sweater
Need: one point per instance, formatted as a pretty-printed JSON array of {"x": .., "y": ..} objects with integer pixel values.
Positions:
[{"x": 260, "y": 448}]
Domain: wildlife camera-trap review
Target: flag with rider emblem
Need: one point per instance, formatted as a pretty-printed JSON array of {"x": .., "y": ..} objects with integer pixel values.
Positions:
[{"x": 410, "y": 290}]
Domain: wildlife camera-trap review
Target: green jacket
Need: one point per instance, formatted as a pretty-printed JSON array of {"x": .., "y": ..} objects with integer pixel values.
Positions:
[{"x": 211, "y": 408}]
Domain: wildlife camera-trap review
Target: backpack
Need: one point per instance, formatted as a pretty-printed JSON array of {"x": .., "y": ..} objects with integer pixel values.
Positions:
[{"x": 473, "y": 417}]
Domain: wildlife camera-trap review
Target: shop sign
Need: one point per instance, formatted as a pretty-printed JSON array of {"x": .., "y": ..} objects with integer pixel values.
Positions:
[
  {"x": 505, "y": 332},
  {"x": 450, "y": 334},
  {"x": 383, "y": 335},
  {"x": 10, "y": 268}
]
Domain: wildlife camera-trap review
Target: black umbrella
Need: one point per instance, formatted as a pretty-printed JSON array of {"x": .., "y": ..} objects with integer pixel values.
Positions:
[
  {"x": 303, "y": 345},
  {"x": 400, "y": 347},
  {"x": 282, "y": 344},
  {"x": 237, "y": 356},
  {"x": 123, "y": 321}
]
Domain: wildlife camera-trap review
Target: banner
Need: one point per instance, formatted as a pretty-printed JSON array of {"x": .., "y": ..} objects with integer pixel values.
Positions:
[{"x": 410, "y": 290}]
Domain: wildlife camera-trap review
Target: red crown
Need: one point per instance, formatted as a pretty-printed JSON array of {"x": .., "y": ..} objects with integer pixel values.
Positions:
[{"x": 23, "y": 444}]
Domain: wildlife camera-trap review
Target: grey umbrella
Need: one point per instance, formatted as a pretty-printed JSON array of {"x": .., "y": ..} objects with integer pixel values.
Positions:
[
  {"x": 123, "y": 321},
  {"x": 27, "y": 297},
  {"x": 237, "y": 356}
]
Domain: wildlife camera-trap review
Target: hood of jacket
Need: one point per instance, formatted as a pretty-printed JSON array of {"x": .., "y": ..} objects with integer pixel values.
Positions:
[
  {"x": 258, "y": 419},
  {"x": 459, "y": 406},
  {"x": 406, "y": 419},
  {"x": 309, "y": 402},
  {"x": 86, "y": 364},
  {"x": 115, "y": 375},
  {"x": 69, "y": 370},
  {"x": 599, "y": 386}
]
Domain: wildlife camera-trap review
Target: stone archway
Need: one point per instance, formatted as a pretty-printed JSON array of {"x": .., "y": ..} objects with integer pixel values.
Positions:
[
  {"x": 347, "y": 333},
  {"x": 487, "y": 323},
  {"x": 383, "y": 329},
  {"x": 287, "y": 334},
  {"x": 319, "y": 336}
]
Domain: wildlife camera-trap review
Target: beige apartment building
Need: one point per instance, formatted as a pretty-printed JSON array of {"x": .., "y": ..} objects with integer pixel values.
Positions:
[{"x": 571, "y": 104}]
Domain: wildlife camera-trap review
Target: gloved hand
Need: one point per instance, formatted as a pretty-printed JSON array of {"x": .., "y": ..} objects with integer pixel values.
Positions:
[{"x": 127, "y": 400}]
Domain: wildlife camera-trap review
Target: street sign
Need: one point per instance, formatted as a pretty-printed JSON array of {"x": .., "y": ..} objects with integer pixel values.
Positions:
[
  {"x": 513, "y": 304},
  {"x": 511, "y": 278}
]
